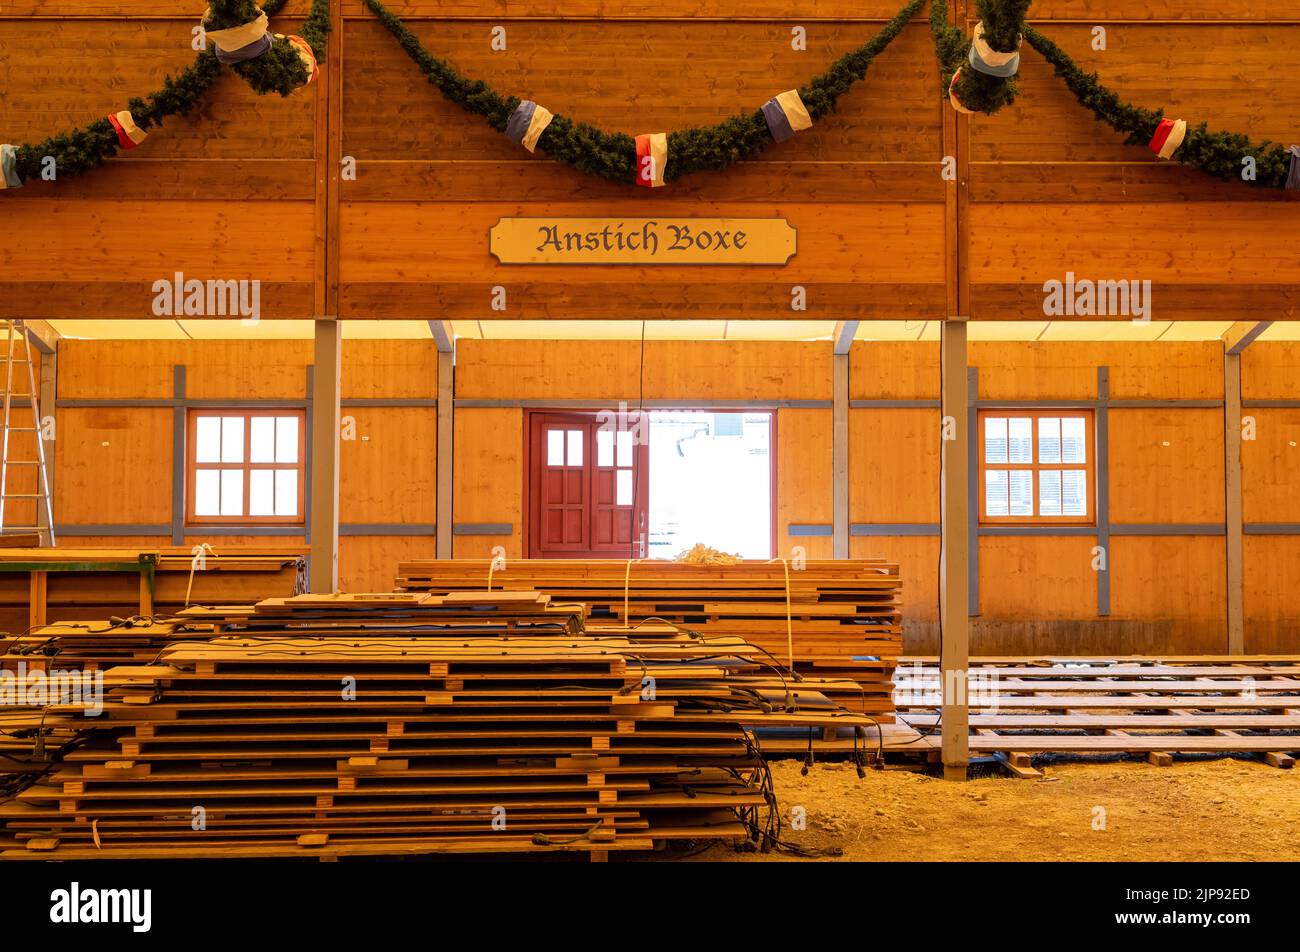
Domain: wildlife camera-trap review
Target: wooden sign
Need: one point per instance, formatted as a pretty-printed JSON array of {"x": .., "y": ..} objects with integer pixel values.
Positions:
[{"x": 643, "y": 241}]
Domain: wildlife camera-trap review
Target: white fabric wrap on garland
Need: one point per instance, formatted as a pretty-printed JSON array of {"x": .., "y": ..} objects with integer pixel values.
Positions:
[
  {"x": 240, "y": 43},
  {"x": 9, "y": 177},
  {"x": 984, "y": 59}
]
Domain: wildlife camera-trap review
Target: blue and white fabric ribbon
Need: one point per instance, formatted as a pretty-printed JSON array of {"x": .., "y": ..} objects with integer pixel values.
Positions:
[
  {"x": 984, "y": 59},
  {"x": 1292, "y": 178}
]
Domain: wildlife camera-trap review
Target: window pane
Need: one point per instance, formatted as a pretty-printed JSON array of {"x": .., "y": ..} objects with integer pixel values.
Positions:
[
  {"x": 995, "y": 492},
  {"x": 1049, "y": 492},
  {"x": 1074, "y": 493},
  {"x": 575, "y": 448},
  {"x": 232, "y": 440},
  {"x": 207, "y": 440},
  {"x": 232, "y": 491},
  {"x": 1021, "y": 490},
  {"x": 261, "y": 436},
  {"x": 623, "y": 491},
  {"x": 1020, "y": 439},
  {"x": 207, "y": 492},
  {"x": 1074, "y": 446},
  {"x": 286, "y": 492},
  {"x": 1049, "y": 439},
  {"x": 624, "y": 447},
  {"x": 995, "y": 439},
  {"x": 604, "y": 447},
  {"x": 286, "y": 439},
  {"x": 261, "y": 492},
  {"x": 554, "y": 447}
]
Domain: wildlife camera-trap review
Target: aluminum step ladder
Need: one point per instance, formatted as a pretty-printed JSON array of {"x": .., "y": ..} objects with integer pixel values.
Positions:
[{"x": 18, "y": 351}]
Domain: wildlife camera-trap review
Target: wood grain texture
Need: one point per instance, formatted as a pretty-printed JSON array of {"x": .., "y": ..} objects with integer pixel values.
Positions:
[
  {"x": 1270, "y": 464},
  {"x": 804, "y": 491},
  {"x": 1166, "y": 466},
  {"x": 489, "y": 479}
]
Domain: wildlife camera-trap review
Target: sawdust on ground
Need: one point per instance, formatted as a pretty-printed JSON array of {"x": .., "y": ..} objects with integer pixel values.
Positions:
[{"x": 1193, "y": 811}]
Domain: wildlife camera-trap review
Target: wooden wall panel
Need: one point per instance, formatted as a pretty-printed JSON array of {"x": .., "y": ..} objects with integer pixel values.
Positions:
[
  {"x": 1270, "y": 465},
  {"x": 489, "y": 478},
  {"x": 369, "y": 563},
  {"x": 894, "y": 371},
  {"x": 113, "y": 466},
  {"x": 610, "y": 370},
  {"x": 1175, "y": 587},
  {"x": 804, "y": 487},
  {"x": 918, "y": 563},
  {"x": 1166, "y": 466},
  {"x": 1270, "y": 370},
  {"x": 894, "y": 465},
  {"x": 389, "y": 472},
  {"x": 1272, "y": 594}
]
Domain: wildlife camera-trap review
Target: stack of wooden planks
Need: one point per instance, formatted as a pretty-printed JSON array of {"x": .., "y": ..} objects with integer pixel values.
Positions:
[
  {"x": 345, "y": 725},
  {"x": 1155, "y": 707},
  {"x": 71, "y": 584},
  {"x": 843, "y": 620}
]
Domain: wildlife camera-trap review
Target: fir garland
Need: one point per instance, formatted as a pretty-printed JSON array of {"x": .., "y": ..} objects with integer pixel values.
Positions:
[
  {"x": 86, "y": 148},
  {"x": 279, "y": 69},
  {"x": 1219, "y": 154},
  {"x": 612, "y": 155},
  {"x": 1004, "y": 23}
]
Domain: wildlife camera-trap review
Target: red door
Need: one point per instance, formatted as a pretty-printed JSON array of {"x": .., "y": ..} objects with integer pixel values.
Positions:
[{"x": 588, "y": 486}]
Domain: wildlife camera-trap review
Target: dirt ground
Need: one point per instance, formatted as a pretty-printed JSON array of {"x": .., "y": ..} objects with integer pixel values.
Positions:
[{"x": 1197, "y": 811}]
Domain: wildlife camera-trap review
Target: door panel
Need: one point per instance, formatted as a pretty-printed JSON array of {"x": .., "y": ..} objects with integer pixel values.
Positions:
[{"x": 588, "y": 486}]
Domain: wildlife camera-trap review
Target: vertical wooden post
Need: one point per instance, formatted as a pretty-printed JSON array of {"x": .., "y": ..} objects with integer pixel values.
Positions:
[
  {"x": 1232, "y": 508},
  {"x": 326, "y": 384},
  {"x": 954, "y": 565},
  {"x": 446, "y": 451},
  {"x": 840, "y": 457}
]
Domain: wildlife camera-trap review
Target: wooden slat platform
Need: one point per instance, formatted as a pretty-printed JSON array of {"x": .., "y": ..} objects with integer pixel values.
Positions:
[{"x": 1158, "y": 706}]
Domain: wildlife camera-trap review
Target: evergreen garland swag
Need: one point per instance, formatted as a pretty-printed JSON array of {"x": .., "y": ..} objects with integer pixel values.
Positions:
[
  {"x": 1219, "y": 154},
  {"x": 83, "y": 149},
  {"x": 1004, "y": 24},
  {"x": 612, "y": 155}
]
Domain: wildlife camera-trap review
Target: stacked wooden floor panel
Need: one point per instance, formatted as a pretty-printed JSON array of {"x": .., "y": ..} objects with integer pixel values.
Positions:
[
  {"x": 844, "y": 616},
  {"x": 336, "y": 726},
  {"x": 70, "y": 584},
  {"x": 1021, "y": 706}
]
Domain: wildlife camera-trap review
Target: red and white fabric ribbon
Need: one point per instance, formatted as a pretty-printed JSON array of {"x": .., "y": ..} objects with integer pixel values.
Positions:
[
  {"x": 1168, "y": 137},
  {"x": 952, "y": 95},
  {"x": 129, "y": 135},
  {"x": 651, "y": 159}
]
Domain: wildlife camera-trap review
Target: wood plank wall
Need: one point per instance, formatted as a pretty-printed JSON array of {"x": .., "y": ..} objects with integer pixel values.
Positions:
[
  {"x": 1044, "y": 189},
  {"x": 1037, "y": 593}
]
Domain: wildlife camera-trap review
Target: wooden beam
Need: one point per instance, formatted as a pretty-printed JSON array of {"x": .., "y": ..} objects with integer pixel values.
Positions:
[
  {"x": 954, "y": 563},
  {"x": 1233, "y": 508},
  {"x": 1240, "y": 335},
  {"x": 326, "y": 383},
  {"x": 845, "y": 331},
  {"x": 446, "y": 451},
  {"x": 840, "y": 457},
  {"x": 42, "y": 336},
  {"x": 444, "y": 337}
]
